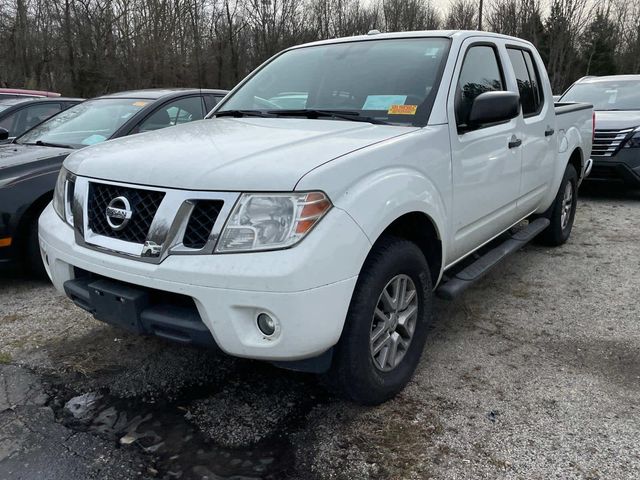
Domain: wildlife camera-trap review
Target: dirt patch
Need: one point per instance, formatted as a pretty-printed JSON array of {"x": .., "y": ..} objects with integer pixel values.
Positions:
[{"x": 533, "y": 373}]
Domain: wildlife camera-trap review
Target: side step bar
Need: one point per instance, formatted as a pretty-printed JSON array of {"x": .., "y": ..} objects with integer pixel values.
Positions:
[{"x": 462, "y": 280}]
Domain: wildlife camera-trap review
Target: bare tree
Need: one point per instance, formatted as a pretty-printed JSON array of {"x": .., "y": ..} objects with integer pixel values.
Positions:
[
  {"x": 463, "y": 15},
  {"x": 88, "y": 47}
]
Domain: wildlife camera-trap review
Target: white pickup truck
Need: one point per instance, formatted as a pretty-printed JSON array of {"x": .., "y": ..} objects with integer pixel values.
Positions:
[{"x": 312, "y": 218}]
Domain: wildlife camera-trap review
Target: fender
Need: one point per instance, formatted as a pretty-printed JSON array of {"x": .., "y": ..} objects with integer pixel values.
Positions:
[
  {"x": 406, "y": 174},
  {"x": 25, "y": 186},
  {"x": 383, "y": 196},
  {"x": 569, "y": 141}
]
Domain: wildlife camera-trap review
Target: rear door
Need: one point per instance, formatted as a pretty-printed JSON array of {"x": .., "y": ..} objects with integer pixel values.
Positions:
[
  {"x": 486, "y": 171},
  {"x": 537, "y": 126}
]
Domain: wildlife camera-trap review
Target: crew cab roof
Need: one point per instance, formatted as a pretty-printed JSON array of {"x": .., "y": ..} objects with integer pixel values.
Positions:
[
  {"x": 458, "y": 34},
  {"x": 157, "y": 93}
]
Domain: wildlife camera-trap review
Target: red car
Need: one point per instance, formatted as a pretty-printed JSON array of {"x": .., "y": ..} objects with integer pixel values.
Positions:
[{"x": 17, "y": 92}]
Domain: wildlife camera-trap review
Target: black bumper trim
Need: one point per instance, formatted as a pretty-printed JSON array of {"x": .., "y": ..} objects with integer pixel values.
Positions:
[{"x": 138, "y": 310}]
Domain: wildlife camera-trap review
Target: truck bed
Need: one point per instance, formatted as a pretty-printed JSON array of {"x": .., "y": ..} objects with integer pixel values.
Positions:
[{"x": 563, "y": 108}]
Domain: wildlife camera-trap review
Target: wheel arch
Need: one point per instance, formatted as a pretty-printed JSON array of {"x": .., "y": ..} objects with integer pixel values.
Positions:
[
  {"x": 577, "y": 160},
  {"x": 32, "y": 212},
  {"x": 421, "y": 229}
]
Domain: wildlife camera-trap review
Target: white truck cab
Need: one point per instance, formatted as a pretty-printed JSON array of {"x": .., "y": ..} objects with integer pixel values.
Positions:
[{"x": 312, "y": 218}]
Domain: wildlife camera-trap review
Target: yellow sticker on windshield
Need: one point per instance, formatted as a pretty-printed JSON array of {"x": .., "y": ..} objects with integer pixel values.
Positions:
[
  {"x": 139, "y": 104},
  {"x": 403, "y": 110}
]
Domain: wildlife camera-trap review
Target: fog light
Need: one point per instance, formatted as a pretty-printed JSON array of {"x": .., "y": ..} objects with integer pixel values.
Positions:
[{"x": 266, "y": 324}]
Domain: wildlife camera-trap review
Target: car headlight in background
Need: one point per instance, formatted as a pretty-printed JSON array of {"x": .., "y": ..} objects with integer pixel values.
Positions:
[
  {"x": 269, "y": 221},
  {"x": 63, "y": 194},
  {"x": 634, "y": 141}
]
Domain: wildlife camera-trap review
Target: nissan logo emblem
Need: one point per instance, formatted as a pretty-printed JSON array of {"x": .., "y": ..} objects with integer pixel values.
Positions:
[{"x": 119, "y": 213}]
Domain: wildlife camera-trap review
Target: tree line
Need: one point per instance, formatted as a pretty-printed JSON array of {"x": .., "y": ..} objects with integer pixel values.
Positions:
[{"x": 89, "y": 47}]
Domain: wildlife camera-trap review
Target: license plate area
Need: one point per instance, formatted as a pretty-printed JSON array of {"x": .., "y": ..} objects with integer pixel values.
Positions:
[{"x": 117, "y": 304}]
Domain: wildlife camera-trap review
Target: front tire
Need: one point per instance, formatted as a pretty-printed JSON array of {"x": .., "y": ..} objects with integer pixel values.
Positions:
[
  {"x": 562, "y": 212},
  {"x": 386, "y": 326}
]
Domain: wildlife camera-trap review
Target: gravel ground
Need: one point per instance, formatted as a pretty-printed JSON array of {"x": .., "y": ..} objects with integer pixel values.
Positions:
[{"x": 533, "y": 373}]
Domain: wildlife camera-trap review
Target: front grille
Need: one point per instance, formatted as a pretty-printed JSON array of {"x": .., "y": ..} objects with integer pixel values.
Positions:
[
  {"x": 144, "y": 204},
  {"x": 607, "y": 142},
  {"x": 201, "y": 223}
]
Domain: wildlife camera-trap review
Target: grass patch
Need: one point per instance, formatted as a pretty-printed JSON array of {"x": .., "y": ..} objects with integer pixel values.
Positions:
[
  {"x": 9, "y": 319},
  {"x": 5, "y": 358},
  {"x": 394, "y": 437}
]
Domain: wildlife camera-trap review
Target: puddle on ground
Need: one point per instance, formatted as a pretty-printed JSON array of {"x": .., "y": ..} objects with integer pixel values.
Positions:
[{"x": 175, "y": 447}]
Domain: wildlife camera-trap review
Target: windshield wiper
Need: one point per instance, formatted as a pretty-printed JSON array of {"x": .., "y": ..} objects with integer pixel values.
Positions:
[
  {"x": 241, "y": 113},
  {"x": 40, "y": 143},
  {"x": 340, "y": 114}
]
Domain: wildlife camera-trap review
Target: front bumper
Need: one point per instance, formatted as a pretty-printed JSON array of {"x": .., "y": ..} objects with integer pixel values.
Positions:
[
  {"x": 624, "y": 167},
  {"x": 307, "y": 289}
]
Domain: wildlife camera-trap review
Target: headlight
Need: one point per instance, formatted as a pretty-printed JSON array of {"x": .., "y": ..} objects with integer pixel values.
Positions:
[
  {"x": 634, "y": 141},
  {"x": 63, "y": 194},
  {"x": 269, "y": 221}
]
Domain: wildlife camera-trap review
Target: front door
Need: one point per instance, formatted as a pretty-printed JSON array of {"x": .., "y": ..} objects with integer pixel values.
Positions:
[{"x": 486, "y": 160}]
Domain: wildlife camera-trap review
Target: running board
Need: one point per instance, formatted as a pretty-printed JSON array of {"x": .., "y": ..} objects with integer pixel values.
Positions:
[{"x": 463, "y": 279}]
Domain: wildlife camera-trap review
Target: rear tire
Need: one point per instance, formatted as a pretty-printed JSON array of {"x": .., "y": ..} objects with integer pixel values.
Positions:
[
  {"x": 389, "y": 312},
  {"x": 562, "y": 212}
]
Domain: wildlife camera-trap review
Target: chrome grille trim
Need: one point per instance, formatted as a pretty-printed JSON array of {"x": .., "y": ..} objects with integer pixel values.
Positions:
[
  {"x": 167, "y": 229},
  {"x": 607, "y": 142},
  {"x": 145, "y": 202}
]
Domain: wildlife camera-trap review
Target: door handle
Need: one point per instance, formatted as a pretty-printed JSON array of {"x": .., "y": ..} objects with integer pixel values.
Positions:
[
  {"x": 515, "y": 142},
  {"x": 549, "y": 131}
]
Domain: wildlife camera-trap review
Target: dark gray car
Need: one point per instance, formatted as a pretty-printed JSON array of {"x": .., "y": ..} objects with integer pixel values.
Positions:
[{"x": 30, "y": 164}]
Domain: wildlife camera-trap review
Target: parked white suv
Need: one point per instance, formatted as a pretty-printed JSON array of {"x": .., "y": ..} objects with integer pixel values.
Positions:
[{"x": 311, "y": 220}]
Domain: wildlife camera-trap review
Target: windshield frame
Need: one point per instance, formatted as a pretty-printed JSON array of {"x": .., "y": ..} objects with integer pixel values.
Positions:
[
  {"x": 132, "y": 120},
  {"x": 424, "y": 109},
  {"x": 603, "y": 83}
]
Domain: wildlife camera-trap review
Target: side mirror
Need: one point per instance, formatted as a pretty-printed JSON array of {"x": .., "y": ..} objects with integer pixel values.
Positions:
[
  {"x": 494, "y": 107},
  {"x": 4, "y": 134}
]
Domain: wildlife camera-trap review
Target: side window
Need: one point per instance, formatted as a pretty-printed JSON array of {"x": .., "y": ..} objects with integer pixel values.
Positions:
[
  {"x": 536, "y": 83},
  {"x": 528, "y": 81},
  {"x": 525, "y": 88},
  {"x": 179, "y": 111},
  {"x": 480, "y": 73},
  {"x": 211, "y": 101},
  {"x": 8, "y": 122},
  {"x": 32, "y": 116}
]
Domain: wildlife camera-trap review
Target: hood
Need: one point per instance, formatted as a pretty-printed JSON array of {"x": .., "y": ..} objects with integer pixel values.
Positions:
[
  {"x": 617, "y": 120},
  {"x": 14, "y": 155},
  {"x": 240, "y": 154}
]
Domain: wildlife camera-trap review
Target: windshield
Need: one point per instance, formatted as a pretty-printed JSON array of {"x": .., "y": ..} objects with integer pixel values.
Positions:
[
  {"x": 393, "y": 81},
  {"x": 609, "y": 95},
  {"x": 4, "y": 107},
  {"x": 87, "y": 123}
]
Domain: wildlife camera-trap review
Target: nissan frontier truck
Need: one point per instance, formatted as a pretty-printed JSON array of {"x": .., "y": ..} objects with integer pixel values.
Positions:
[{"x": 312, "y": 218}]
